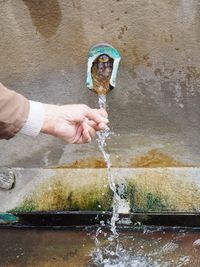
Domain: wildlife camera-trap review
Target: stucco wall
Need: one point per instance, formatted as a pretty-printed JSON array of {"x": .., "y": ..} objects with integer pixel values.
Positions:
[{"x": 43, "y": 54}]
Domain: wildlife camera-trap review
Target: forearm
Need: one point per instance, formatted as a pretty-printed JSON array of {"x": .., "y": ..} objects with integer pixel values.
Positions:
[
  {"x": 76, "y": 124},
  {"x": 14, "y": 110}
]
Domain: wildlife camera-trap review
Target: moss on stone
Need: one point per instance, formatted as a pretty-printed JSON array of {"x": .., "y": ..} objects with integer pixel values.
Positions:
[
  {"x": 143, "y": 201},
  {"x": 91, "y": 200},
  {"x": 27, "y": 206},
  {"x": 57, "y": 195},
  {"x": 154, "y": 203}
]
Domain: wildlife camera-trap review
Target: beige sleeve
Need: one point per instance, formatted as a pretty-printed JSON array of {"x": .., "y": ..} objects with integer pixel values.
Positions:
[{"x": 14, "y": 110}]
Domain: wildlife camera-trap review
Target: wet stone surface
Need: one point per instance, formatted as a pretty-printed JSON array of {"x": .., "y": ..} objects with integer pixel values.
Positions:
[{"x": 76, "y": 248}]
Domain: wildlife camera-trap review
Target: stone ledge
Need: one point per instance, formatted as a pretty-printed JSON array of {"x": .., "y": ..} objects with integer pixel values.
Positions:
[{"x": 146, "y": 190}]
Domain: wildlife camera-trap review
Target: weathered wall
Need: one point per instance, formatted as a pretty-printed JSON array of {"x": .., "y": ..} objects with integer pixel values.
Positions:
[
  {"x": 144, "y": 190},
  {"x": 43, "y": 54}
]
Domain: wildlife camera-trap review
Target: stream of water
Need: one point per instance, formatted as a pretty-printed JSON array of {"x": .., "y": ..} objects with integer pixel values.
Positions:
[
  {"x": 113, "y": 249},
  {"x": 102, "y": 137}
]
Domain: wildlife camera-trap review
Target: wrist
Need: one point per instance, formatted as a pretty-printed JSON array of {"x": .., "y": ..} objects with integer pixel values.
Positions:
[
  {"x": 35, "y": 119},
  {"x": 50, "y": 112}
]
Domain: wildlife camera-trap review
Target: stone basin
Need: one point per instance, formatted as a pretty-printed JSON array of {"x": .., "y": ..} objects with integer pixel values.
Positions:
[{"x": 83, "y": 193}]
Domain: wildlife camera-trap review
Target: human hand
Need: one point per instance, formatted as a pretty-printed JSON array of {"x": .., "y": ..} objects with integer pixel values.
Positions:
[{"x": 75, "y": 124}]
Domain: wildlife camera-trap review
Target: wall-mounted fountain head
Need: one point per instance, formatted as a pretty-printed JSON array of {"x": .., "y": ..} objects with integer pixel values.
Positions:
[{"x": 102, "y": 67}]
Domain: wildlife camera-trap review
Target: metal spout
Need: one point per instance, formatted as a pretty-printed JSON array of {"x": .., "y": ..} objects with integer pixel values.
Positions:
[{"x": 102, "y": 67}]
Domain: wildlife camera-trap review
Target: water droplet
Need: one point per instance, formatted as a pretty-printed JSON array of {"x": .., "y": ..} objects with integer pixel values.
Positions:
[{"x": 196, "y": 243}]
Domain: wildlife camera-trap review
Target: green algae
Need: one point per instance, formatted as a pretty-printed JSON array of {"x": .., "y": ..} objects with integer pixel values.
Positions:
[
  {"x": 58, "y": 195},
  {"x": 154, "y": 203},
  {"x": 150, "y": 192},
  {"x": 27, "y": 206},
  {"x": 162, "y": 193},
  {"x": 144, "y": 201}
]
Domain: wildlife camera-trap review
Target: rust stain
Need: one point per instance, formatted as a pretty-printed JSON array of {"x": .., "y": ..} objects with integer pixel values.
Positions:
[
  {"x": 85, "y": 163},
  {"x": 151, "y": 159},
  {"x": 101, "y": 84},
  {"x": 154, "y": 159},
  {"x": 140, "y": 57}
]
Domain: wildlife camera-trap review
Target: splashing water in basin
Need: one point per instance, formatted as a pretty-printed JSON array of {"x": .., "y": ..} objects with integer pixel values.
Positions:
[{"x": 39, "y": 248}]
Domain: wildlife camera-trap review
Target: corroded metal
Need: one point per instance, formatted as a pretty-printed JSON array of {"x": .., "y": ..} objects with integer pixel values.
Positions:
[{"x": 103, "y": 63}]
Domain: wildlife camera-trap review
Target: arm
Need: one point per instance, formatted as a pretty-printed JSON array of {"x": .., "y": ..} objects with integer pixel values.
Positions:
[
  {"x": 75, "y": 124},
  {"x": 14, "y": 110}
]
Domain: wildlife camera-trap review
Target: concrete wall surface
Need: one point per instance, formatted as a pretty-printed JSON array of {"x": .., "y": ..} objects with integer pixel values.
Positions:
[{"x": 155, "y": 106}]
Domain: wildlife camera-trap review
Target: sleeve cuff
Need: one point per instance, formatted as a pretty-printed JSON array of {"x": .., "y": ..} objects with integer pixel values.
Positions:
[{"x": 35, "y": 120}]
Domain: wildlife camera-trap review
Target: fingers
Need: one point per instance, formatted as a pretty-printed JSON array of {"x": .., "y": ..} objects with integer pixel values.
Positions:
[
  {"x": 89, "y": 131},
  {"x": 98, "y": 127},
  {"x": 75, "y": 124},
  {"x": 103, "y": 112},
  {"x": 97, "y": 115},
  {"x": 101, "y": 126}
]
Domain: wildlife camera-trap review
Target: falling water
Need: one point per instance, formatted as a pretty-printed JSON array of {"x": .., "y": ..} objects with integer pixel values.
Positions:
[
  {"x": 102, "y": 136},
  {"x": 112, "y": 249}
]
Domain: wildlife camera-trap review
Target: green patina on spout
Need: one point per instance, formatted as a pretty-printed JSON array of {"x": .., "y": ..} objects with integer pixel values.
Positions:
[{"x": 104, "y": 50}]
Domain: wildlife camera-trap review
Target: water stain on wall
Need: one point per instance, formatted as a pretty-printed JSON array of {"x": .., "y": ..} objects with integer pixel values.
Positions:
[
  {"x": 45, "y": 15},
  {"x": 86, "y": 163},
  {"x": 152, "y": 159},
  {"x": 140, "y": 56}
]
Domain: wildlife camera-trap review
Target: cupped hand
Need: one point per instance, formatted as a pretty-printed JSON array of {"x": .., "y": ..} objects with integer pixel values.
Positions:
[{"x": 75, "y": 124}]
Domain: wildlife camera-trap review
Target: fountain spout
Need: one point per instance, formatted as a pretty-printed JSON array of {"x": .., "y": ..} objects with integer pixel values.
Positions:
[{"x": 102, "y": 67}]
